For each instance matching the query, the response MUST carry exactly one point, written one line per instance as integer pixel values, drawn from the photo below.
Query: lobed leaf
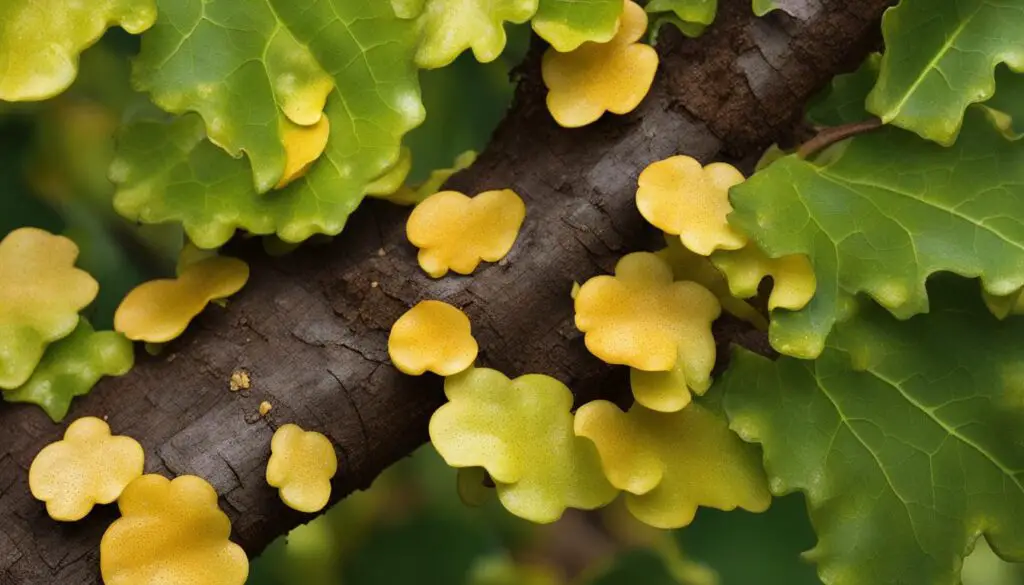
(671, 463)
(40, 40)
(880, 214)
(939, 58)
(41, 293)
(567, 24)
(449, 27)
(71, 367)
(521, 431)
(166, 171)
(905, 437)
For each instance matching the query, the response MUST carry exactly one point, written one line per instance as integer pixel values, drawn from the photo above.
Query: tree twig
(832, 134)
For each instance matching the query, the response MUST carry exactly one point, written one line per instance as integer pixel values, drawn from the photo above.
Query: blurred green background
(411, 527)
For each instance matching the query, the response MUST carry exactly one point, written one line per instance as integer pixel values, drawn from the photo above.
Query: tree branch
(311, 329)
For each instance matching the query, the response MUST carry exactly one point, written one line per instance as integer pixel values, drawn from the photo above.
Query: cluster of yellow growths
(668, 454)
(654, 315)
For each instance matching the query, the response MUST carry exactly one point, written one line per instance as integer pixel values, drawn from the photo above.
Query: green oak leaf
(881, 213)
(249, 68)
(449, 27)
(71, 367)
(40, 40)
(700, 12)
(904, 436)
(166, 170)
(567, 24)
(939, 59)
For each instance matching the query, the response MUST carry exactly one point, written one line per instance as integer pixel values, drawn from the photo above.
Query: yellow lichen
(87, 467)
(671, 463)
(455, 232)
(599, 77)
(41, 293)
(521, 432)
(171, 532)
(265, 408)
(793, 277)
(663, 391)
(688, 265)
(159, 310)
(641, 318)
(432, 336)
(301, 466)
(685, 199)
(302, 146)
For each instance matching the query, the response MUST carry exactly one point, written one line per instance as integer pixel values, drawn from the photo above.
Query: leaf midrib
(933, 64)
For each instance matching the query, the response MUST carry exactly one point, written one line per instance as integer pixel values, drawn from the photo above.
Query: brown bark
(311, 328)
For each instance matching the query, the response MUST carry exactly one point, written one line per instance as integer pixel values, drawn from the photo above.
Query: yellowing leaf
(683, 198)
(793, 280)
(520, 431)
(386, 185)
(455, 232)
(449, 27)
(71, 367)
(641, 318)
(171, 532)
(159, 310)
(87, 467)
(40, 40)
(302, 146)
(432, 336)
(601, 77)
(301, 466)
(671, 463)
(41, 293)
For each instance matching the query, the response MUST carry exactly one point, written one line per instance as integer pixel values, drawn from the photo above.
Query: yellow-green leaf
(71, 367)
(41, 293)
(40, 40)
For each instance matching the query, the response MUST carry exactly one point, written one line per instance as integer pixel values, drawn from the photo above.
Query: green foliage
(880, 214)
(71, 367)
(904, 436)
(40, 40)
(567, 24)
(700, 12)
(166, 170)
(939, 58)
(449, 27)
(250, 68)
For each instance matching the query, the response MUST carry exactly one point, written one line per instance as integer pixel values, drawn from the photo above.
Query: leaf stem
(830, 135)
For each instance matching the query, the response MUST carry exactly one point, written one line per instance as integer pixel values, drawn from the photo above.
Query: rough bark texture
(311, 328)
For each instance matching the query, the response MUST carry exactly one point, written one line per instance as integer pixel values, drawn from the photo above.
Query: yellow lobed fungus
(663, 391)
(432, 336)
(670, 463)
(521, 432)
(159, 310)
(596, 78)
(302, 146)
(793, 280)
(41, 293)
(455, 232)
(301, 466)
(641, 318)
(87, 467)
(688, 265)
(171, 532)
(683, 198)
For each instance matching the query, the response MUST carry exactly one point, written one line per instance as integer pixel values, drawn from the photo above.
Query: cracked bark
(311, 328)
